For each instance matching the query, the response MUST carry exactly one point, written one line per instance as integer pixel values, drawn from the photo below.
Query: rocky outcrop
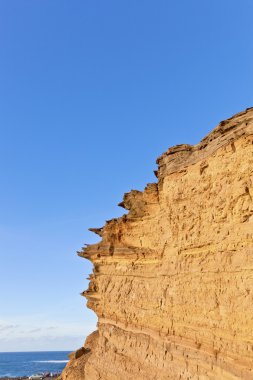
(172, 284)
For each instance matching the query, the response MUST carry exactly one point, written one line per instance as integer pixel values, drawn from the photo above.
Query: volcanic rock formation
(172, 284)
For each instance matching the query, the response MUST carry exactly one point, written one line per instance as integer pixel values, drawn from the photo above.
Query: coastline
(21, 365)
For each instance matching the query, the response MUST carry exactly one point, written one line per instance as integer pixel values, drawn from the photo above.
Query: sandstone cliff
(173, 278)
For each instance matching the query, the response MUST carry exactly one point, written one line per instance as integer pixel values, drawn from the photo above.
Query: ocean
(14, 364)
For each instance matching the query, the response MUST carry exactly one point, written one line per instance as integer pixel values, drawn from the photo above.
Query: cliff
(172, 284)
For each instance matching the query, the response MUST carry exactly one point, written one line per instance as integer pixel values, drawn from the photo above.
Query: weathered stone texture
(173, 279)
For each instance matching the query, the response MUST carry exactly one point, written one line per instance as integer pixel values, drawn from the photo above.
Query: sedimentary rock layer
(172, 284)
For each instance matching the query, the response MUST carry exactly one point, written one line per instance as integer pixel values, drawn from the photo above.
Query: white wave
(50, 361)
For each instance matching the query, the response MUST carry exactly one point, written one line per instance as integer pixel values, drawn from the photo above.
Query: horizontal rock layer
(172, 284)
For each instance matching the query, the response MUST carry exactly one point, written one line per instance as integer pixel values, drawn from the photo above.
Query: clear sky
(91, 92)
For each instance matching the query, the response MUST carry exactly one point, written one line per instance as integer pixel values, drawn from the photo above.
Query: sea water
(14, 364)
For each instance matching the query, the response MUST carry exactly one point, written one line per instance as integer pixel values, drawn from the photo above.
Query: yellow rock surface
(173, 279)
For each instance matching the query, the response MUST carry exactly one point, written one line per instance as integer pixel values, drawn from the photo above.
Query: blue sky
(91, 92)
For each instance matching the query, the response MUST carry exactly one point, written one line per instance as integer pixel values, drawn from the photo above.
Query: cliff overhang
(172, 284)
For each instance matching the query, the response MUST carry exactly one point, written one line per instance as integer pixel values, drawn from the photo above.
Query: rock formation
(172, 284)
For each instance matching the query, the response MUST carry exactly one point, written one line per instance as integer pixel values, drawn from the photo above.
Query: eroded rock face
(173, 279)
